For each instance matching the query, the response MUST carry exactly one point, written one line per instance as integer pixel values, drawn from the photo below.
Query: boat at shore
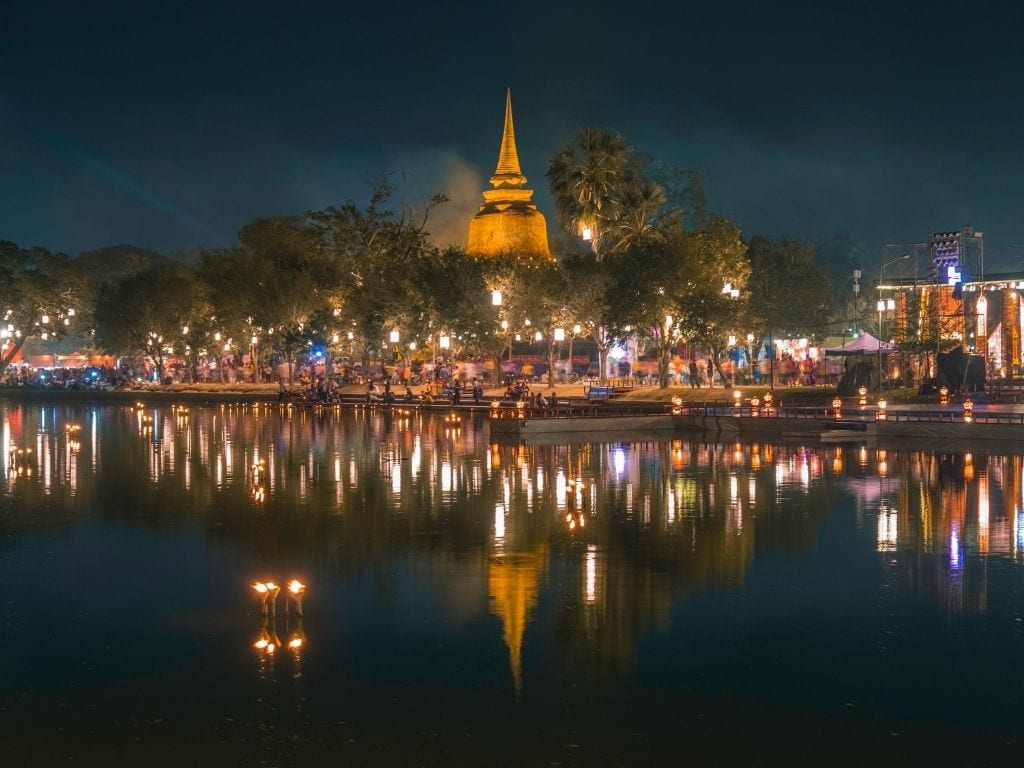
(521, 419)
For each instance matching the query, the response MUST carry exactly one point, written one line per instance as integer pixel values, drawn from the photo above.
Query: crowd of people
(101, 377)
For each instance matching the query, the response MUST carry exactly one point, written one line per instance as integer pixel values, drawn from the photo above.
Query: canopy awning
(865, 344)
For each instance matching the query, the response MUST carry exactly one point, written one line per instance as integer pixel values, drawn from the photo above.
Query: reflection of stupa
(513, 580)
(508, 222)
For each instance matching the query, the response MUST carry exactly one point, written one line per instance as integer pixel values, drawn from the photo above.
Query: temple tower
(508, 222)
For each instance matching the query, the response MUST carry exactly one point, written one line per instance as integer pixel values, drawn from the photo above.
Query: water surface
(649, 602)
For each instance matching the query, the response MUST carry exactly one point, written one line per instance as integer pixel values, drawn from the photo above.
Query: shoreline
(356, 393)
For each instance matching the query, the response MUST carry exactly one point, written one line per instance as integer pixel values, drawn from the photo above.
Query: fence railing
(711, 408)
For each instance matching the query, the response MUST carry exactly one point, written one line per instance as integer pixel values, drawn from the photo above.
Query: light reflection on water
(580, 559)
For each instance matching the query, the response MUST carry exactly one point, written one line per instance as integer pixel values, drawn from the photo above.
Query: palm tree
(586, 179)
(641, 205)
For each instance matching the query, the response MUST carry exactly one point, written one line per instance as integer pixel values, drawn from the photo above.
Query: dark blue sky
(170, 125)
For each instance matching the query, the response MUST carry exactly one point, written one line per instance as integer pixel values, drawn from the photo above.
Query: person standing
(694, 374)
(711, 372)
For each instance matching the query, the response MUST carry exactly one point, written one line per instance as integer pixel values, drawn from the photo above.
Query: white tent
(865, 344)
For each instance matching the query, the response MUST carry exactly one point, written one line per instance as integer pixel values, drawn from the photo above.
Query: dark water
(634, 603)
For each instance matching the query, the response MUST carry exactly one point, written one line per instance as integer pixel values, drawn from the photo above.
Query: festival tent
(865, 344)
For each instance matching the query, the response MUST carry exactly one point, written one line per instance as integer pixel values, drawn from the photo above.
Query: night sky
(170, 125)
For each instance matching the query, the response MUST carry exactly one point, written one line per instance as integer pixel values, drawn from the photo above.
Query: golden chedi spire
(508, 157)
(508, 222)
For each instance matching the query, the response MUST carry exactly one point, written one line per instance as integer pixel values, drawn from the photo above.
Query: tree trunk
(715, 354)
(664, 361)
(602, 353)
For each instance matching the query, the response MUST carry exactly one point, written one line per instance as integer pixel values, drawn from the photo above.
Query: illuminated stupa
(508, 222)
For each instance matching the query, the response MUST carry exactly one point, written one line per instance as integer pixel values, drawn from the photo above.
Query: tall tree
(789, 294)
(649, 286)
(375, 252)
(601, 192)
(43, 294)
(588, 301)
(586, 177)
(533, 298)
(714, 301)
(271, 284)
(159, 313)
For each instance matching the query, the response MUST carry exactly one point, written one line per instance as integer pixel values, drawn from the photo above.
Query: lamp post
(394, 337)
(732, 363)
(558, 336)
(856, 300)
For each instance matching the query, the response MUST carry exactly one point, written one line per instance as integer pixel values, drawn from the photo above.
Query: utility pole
(856, 302)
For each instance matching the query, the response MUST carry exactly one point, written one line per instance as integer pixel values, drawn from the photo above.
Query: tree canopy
(43, 293)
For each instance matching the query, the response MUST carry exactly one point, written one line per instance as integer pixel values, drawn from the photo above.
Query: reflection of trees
(685, 520)
(633, 527)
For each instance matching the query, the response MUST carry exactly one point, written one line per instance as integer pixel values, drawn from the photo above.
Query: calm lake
(655, 601)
